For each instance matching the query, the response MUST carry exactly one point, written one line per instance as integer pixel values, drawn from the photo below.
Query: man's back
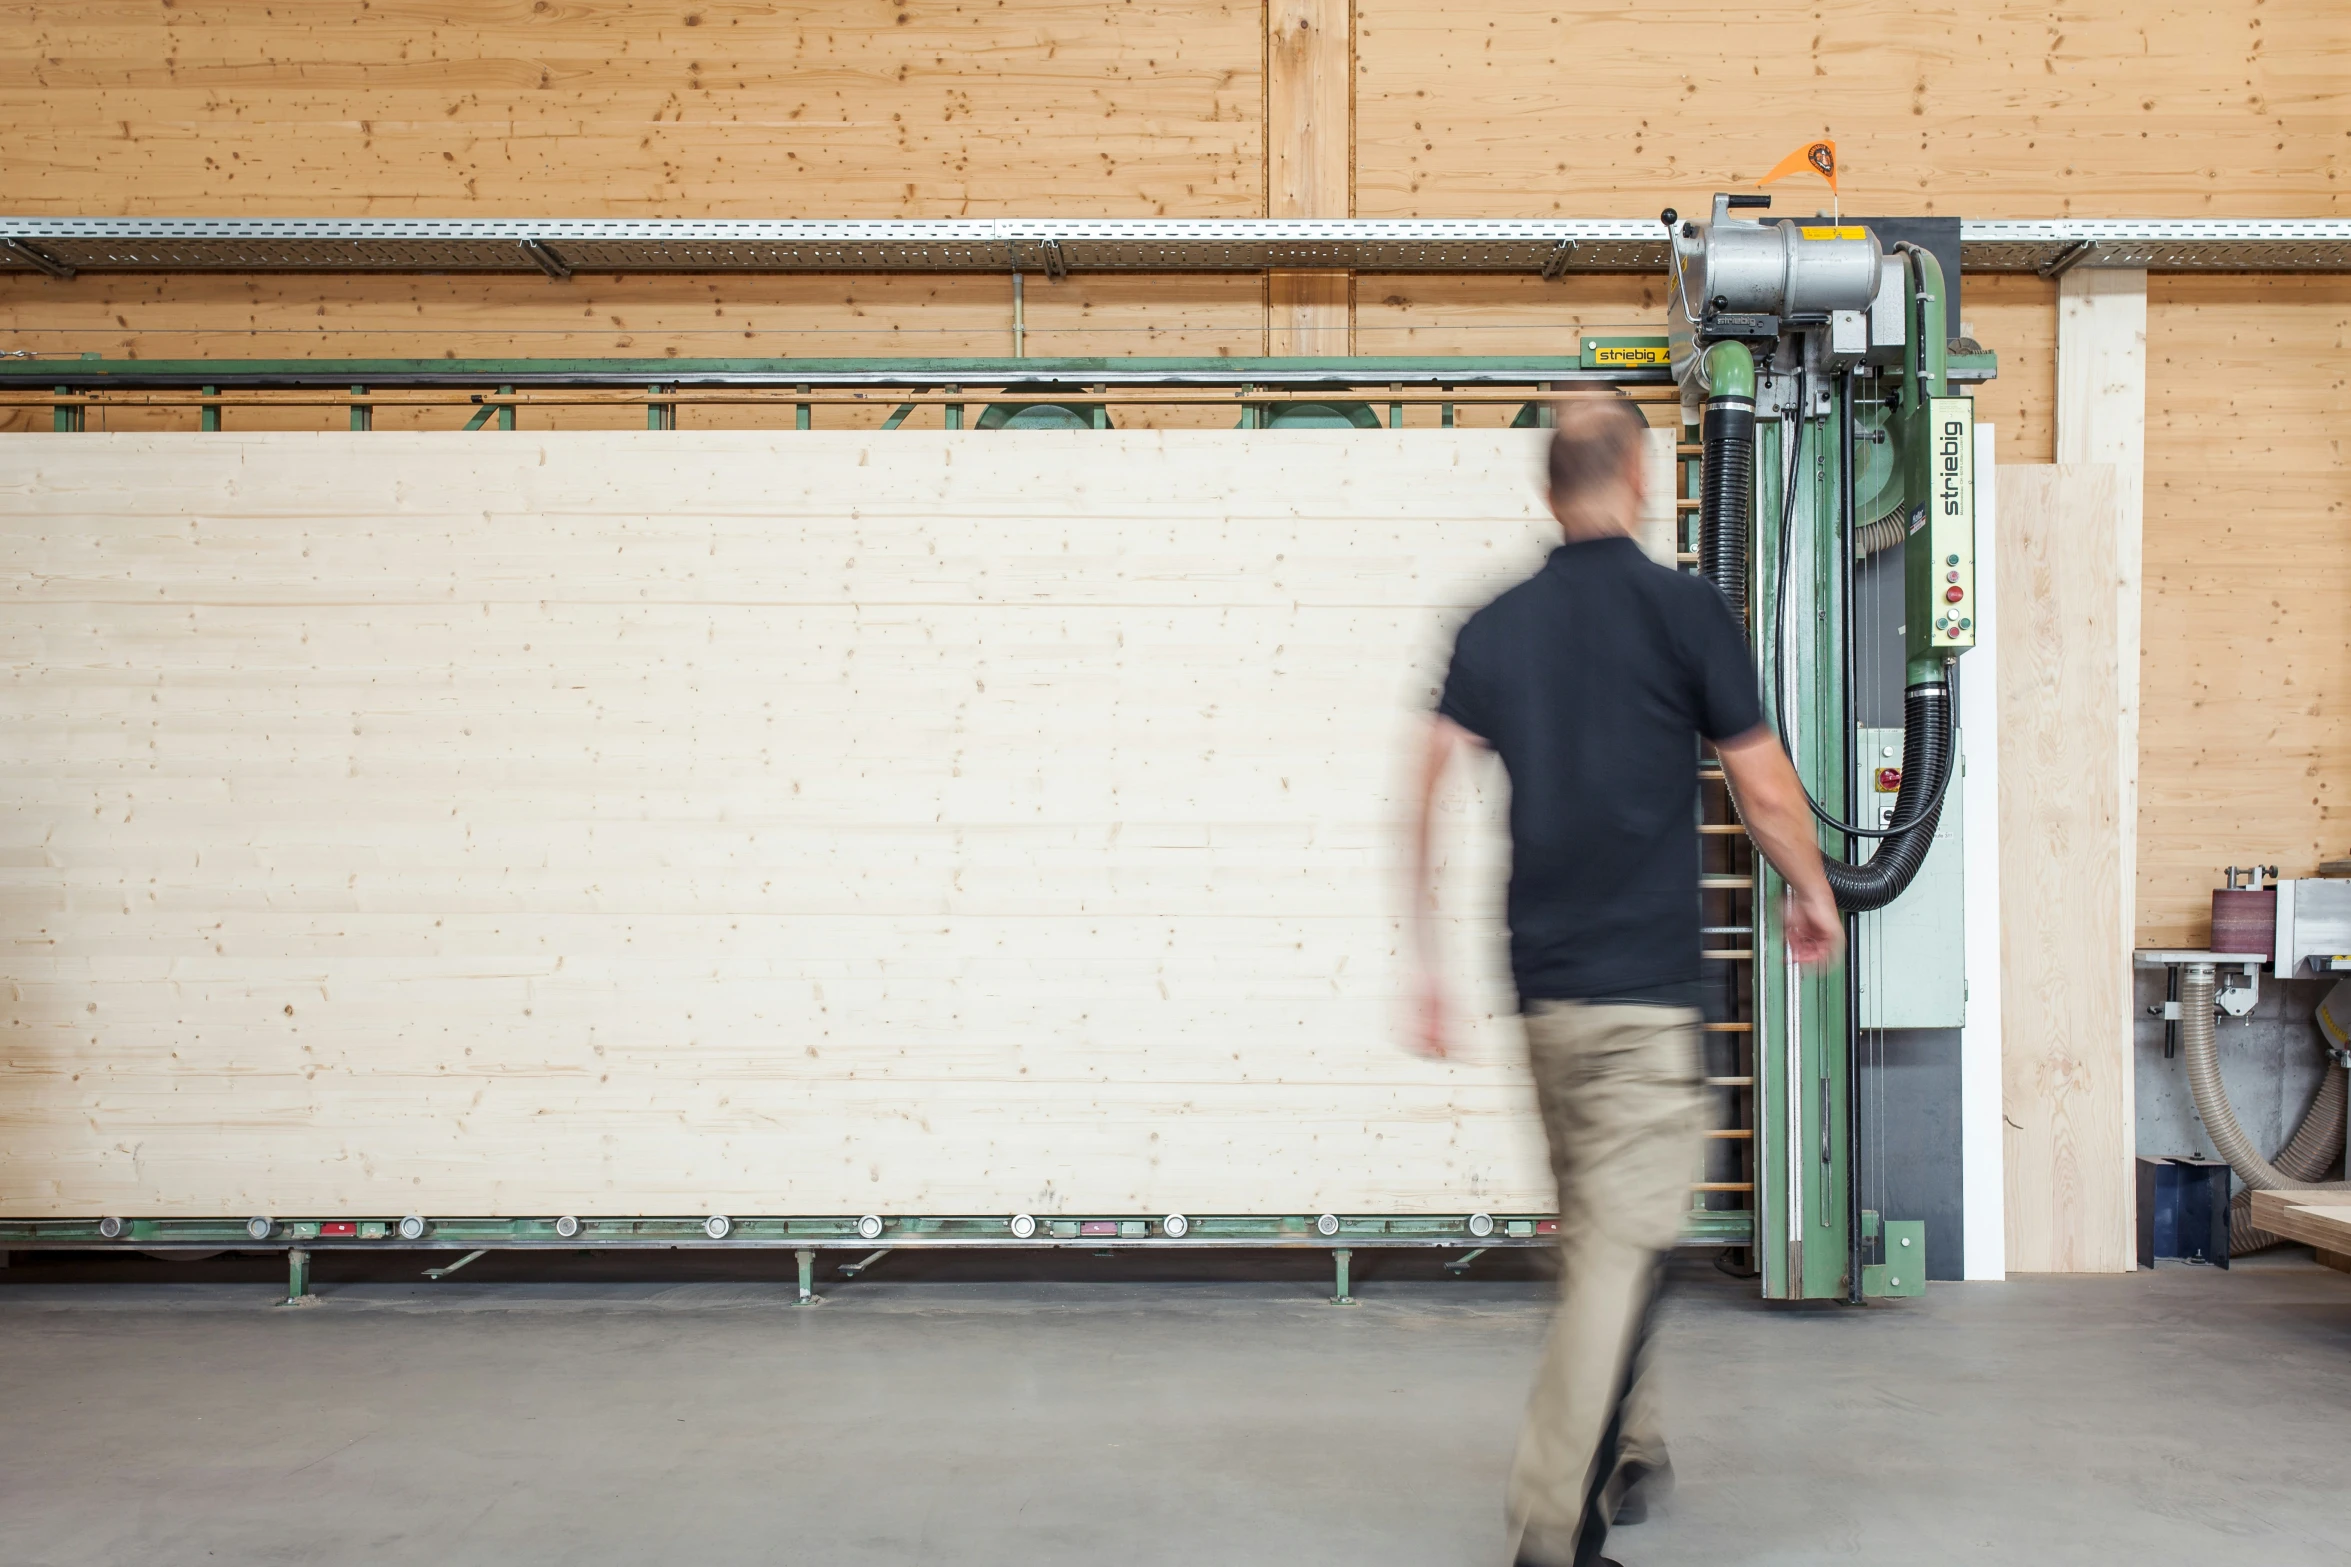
(1593, 680)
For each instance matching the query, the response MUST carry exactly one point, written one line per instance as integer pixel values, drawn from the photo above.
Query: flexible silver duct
(1875, 537)
(2200, 1051)
(2307, 1157)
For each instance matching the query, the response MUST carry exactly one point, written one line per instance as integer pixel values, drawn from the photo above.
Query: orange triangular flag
(1818, 156)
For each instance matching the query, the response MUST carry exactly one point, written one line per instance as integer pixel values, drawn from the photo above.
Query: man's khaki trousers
(1622, 1106)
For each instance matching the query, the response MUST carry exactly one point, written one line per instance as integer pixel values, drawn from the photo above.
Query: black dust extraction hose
(1726, 485)
(1726, 501)
(1926, 770)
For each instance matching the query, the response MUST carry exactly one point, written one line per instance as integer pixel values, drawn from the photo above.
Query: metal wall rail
(63, 247)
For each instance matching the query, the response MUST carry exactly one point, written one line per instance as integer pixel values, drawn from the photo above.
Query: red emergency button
(1953, 595)
(1889, 780)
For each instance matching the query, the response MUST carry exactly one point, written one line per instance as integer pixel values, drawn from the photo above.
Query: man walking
(1595, 680)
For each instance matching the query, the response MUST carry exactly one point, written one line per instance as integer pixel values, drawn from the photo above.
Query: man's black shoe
(1643, 1484)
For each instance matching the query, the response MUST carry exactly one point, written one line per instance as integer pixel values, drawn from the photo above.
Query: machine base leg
(808, 1294)
(1339, 1260)
(298, 1279)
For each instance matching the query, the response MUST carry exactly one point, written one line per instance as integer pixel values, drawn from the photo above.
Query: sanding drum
(2244, 920)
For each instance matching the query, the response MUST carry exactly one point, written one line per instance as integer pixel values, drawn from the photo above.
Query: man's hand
(1432, 1028)
(1771, 803)
(1432, 1020)
(1814, 928)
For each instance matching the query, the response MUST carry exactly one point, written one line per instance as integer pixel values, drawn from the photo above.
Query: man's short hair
(1591, 444)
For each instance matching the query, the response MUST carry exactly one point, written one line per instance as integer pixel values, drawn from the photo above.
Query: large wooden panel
(605, 108)
(2064, 952)
(757, 823)
(2245, 679)
(1528, 108)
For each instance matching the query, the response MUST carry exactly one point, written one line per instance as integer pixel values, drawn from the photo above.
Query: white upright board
(652, 822)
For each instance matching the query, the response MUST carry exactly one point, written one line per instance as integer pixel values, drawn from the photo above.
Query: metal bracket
(298, 1279)
(40, 260)
(2067, 259)
(548, 261)
(1056, 266)
(1561, 255)
(806, 1258)
(438, 1274)
(2238, 999)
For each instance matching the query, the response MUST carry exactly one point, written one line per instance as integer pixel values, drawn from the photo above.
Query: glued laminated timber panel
(759, 823)
(2245, 674)
(2111, 109)
(602, 108)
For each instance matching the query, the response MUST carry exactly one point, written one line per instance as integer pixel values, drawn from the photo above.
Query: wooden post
(1309, 165)
(2065, 992)
(2102, 418)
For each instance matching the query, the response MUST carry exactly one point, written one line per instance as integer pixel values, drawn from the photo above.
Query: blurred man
(1595, 680)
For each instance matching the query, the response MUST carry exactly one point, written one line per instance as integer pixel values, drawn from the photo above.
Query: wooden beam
(1309, 164)
(1310, 313)
(2102, 418)
(2064, 999)
(2319, 1219)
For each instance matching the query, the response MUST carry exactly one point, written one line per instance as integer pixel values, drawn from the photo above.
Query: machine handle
(1748, 201)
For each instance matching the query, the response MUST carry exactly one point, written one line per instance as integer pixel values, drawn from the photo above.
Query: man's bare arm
(1432, 1030)
(1771, 802)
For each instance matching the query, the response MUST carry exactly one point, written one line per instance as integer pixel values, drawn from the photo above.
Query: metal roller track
(65, 247)
(1722, 1227)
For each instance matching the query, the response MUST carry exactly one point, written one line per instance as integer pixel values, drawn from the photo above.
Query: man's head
(1595, 467)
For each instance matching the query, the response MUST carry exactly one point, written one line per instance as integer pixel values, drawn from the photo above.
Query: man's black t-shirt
(1594, 679)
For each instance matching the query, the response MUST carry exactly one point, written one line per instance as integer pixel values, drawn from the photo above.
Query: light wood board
(2114, 108)
(688, 822)
(598, 108)
(2245, 739)
(2319, 1219)
(2065, 960)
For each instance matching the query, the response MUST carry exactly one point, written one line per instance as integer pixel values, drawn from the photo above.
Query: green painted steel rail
(91, 373)
(1722, 1227)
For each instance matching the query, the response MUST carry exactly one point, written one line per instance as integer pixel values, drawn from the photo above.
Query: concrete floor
(2184, 1416)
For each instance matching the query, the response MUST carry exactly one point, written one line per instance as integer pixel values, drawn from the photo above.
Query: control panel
(1940, 538)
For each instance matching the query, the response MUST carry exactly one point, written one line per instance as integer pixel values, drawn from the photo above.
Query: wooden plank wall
(1526, 108)
(1208, 108)
(2065, 989)
(708, 821)
(602, 108)
(2245, 674)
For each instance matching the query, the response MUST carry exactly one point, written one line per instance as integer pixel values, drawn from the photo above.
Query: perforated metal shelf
(64, 246)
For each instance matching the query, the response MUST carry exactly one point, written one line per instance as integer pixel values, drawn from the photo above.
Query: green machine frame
(1778, 396)
(1786, 1124)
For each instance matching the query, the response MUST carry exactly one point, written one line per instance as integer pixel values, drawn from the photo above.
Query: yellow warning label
(1620, 355)
(1849, 231)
